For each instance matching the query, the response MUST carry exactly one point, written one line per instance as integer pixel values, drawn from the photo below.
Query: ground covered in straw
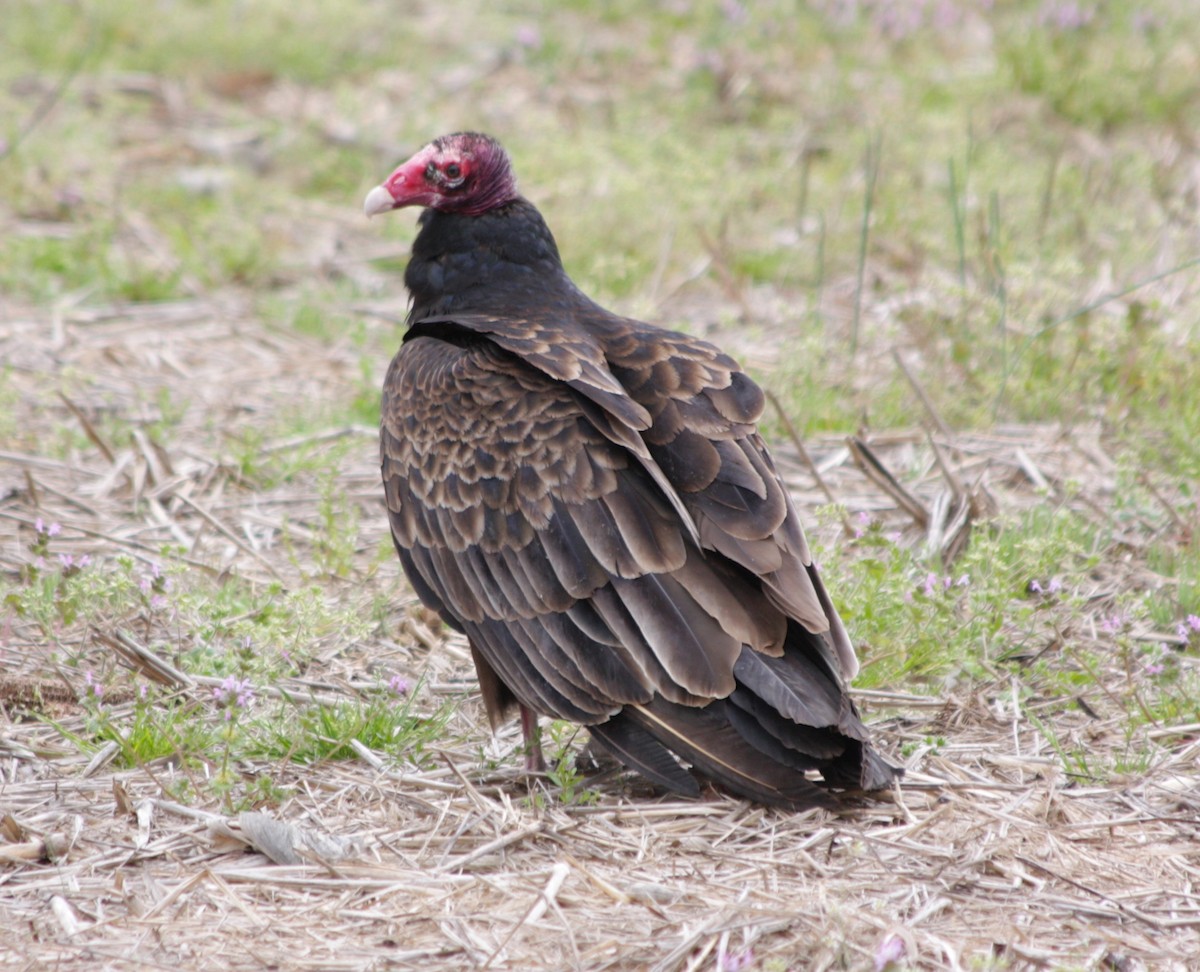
(230, 738)
(988, 853)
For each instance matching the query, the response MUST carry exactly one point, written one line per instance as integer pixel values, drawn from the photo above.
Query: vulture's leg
(534, 763)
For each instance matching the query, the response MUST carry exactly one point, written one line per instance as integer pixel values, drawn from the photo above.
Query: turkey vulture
(586, 497)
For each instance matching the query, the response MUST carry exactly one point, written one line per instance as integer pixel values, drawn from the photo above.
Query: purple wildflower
(899, 21)
(864, 521)
(840, 12)
(1156, 662)
(1114, 623)
(399, 685)
(946, 16)
(71, 563)
(1065, 15)
(154, 585)
(234, 693)
(152, 579)
(1144, 22)
(95, 689)
(528, 36)
(53, 530)
(69, 197)
(734, 12)
(891, 951)
(933, 583)
(41, 541)
(1193, 622)
(1053, 586)
(734, 961)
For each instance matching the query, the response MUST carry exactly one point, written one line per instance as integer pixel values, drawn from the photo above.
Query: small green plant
(1077, 761)
(563, 770)
(928, 744)
(385, 722)
(336, 537)
(234, 723)
(233, 697)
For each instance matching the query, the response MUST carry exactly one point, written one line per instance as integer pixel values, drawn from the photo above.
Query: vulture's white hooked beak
(378, 200)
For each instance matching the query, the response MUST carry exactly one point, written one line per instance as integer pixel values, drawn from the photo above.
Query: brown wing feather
(551, 490)
(704, 435)
(577, 520)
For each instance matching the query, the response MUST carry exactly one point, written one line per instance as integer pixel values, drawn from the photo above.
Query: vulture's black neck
(504, 258)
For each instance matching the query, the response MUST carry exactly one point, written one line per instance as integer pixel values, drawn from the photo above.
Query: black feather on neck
(502, 259)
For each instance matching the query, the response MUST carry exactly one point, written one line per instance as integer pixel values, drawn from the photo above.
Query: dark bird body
(586, 497)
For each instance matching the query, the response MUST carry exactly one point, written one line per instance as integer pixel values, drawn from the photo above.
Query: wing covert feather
(569, 547)
(612, 536)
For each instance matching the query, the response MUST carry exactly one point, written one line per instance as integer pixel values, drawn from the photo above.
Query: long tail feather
(707, 739)
(638, 750)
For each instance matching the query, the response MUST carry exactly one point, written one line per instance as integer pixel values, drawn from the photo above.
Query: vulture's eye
(453, 170)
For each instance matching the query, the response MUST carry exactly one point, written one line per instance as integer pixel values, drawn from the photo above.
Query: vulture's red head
(466, 173)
